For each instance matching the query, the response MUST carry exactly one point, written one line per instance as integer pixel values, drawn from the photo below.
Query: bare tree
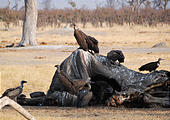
(29, 24)
(47, 4)
(72, 3)
(111, 3)
(135, 4)
(161, 4)
(147, 4)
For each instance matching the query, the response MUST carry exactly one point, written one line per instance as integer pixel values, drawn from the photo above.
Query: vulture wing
(149, 66)
(12, 92)
(93, 39)
(7, 91)
(92, 44)
(81, 39)
(15, 92)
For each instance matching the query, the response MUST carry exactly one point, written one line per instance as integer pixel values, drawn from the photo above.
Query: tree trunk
(29, 24)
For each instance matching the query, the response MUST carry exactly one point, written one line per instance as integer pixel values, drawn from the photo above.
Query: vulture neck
(22, 85)
(74, 27)
(158, 61)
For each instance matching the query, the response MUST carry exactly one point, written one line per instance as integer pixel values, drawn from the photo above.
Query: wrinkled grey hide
(77, 66)
(82, 65)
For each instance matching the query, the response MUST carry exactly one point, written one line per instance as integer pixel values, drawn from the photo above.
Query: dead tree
(135, 4)
(6, 101)
(111, 3)
(29, 24)
(161, 4)
(47, 4)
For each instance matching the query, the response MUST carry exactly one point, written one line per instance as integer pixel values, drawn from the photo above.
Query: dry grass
(38, 77)
(17, 65)
(119, 36)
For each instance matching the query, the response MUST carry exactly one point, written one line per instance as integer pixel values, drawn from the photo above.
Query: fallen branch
(6, 101)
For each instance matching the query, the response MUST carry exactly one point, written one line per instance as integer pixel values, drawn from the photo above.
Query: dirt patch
(88, 113)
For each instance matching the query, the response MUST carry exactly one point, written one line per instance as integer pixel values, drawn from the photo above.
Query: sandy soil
(88, 113)
(36, 65)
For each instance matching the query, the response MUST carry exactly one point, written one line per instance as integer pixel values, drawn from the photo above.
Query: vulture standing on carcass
(116, 55)
(13, 93)
(152, 66)
(85, 42)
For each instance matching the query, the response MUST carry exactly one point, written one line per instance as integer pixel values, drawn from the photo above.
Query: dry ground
(36, 65)
(89, 113)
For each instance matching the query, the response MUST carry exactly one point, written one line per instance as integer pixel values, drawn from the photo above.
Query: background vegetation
(131, 12)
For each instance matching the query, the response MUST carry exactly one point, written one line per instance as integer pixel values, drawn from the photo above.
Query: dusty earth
(36, 65)
(88, 113)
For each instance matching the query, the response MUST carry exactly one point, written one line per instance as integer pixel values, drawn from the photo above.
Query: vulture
(84, 96)
(11, 45)
(114, 55)
(152, 66)
(85, 42)
(13, 93)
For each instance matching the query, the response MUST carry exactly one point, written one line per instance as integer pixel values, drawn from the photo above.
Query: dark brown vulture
(116, 55)
(152, 66)
(12, 93)
(11, 45)
(85, 42)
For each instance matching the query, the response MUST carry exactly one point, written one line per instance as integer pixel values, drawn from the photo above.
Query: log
(6, 101)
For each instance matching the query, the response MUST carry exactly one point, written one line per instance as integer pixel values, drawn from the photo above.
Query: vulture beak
(23, 81)
(160, 59)
(56, 66)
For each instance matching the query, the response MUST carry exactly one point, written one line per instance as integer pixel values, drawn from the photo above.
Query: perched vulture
(12, 93)
(116, 55)
(85, 42)
(152, 66)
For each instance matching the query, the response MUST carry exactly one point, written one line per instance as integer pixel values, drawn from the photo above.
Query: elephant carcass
(82, 65)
